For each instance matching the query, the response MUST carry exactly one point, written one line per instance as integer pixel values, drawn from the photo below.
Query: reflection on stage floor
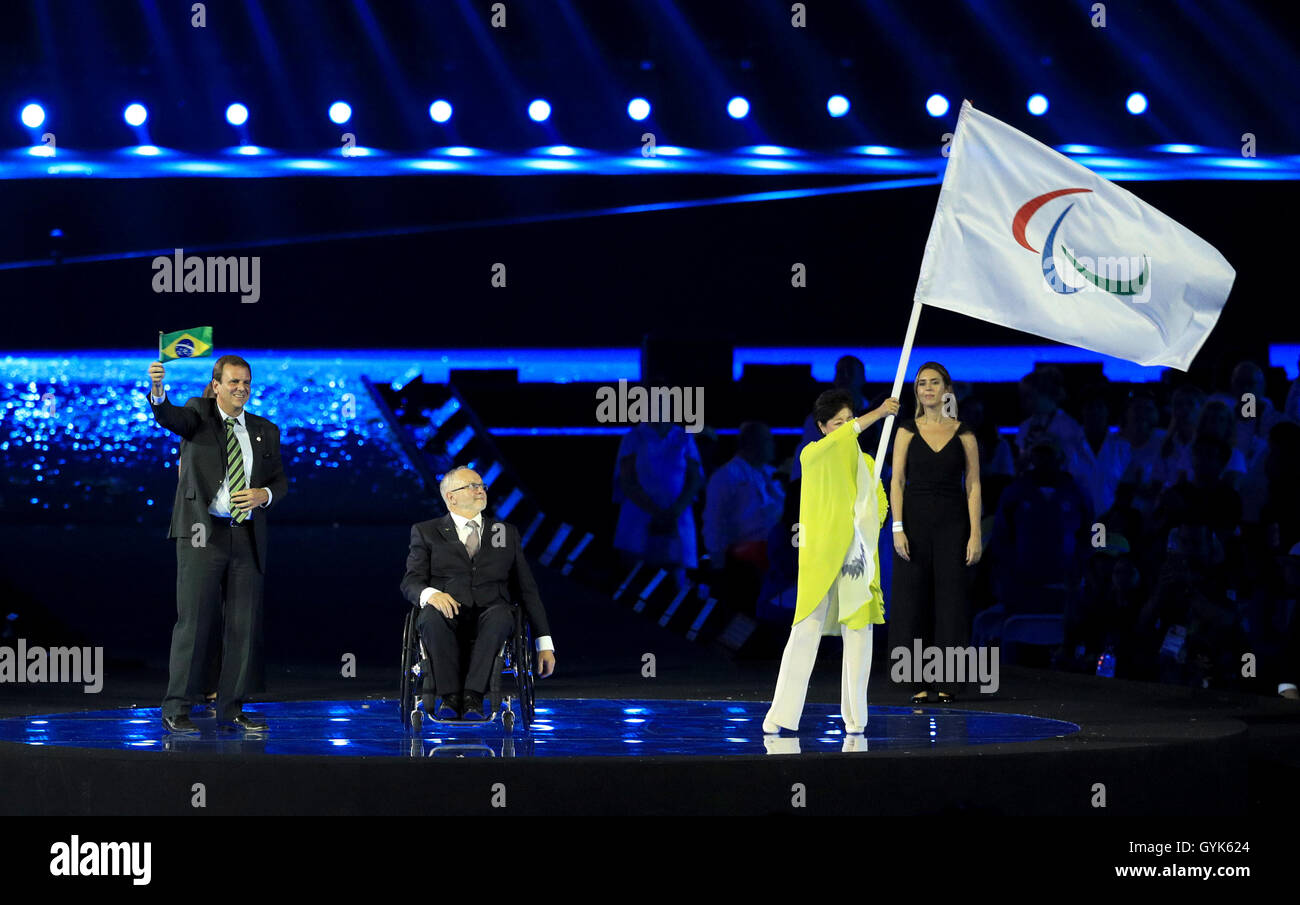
(563, 728)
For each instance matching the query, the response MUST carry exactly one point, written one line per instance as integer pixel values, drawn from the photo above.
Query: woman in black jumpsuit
(935, 487)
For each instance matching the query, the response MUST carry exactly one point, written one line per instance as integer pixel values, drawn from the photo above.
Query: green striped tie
(234, 470)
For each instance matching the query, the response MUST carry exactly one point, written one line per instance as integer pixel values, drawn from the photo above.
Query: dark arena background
(445, 230)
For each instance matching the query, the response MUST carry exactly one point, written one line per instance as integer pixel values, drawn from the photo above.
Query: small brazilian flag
(193, 343)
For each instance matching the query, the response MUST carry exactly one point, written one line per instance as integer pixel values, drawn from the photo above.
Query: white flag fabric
(1025, 237)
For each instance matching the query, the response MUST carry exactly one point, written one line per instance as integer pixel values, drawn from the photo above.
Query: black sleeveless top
(931, 473)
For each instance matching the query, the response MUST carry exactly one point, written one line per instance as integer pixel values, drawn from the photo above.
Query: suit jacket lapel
(218, 429)
(254, 445)
(447, 530)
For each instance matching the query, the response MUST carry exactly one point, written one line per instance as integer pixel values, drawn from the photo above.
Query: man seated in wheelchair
(461, 571)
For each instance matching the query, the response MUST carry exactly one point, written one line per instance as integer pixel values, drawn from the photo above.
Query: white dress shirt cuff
(544, 643)
(157, 400)
(426, 594)
(269, 496)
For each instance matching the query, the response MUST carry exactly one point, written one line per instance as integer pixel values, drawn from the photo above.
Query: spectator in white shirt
(1082, 462)
(1133, 454)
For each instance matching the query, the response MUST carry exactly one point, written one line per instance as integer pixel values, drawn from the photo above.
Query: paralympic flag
(1027, 238)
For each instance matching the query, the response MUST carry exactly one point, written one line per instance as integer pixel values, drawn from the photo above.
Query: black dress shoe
(448, 707)
(245, 722)
(473, 709)
(180, 725)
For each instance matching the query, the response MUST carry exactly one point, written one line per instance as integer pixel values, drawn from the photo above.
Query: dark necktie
(234, 470)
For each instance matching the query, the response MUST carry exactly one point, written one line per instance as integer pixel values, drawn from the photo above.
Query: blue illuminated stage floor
(563, 728)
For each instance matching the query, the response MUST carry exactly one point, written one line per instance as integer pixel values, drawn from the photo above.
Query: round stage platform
(631, 755)
(563, 728)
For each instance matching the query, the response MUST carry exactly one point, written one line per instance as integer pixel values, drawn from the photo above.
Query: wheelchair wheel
(524, 674)
(507, 662)
(493, 705)
(410, 657)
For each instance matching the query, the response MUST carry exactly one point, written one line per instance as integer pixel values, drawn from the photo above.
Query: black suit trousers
(228, 560)
(442, 636)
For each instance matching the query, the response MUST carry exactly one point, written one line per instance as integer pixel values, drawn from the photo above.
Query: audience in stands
(1132, 455)
(1192, 631)
(1103, 618)
(1281, 633)
(1041, 393)
(656, 480)
(1040, 535)
(1175, 451)
(742, 504)
(1095, 419)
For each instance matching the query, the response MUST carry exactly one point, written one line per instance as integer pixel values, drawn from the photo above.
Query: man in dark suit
(230, 473)
(465, 569)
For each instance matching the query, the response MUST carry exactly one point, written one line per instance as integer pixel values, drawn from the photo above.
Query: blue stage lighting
(340, 112)
(936, 105)
(32, 116)
(737, 108)
(638, 108)
(837, 105)
(1037, 104)
(236, 114)
(135, 114)
(440, 111)
(1136, 103)
(539, 111)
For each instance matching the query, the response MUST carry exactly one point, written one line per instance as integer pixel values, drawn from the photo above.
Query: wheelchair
(513, 663)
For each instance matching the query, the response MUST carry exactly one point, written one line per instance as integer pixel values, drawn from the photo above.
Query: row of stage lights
(340, 112)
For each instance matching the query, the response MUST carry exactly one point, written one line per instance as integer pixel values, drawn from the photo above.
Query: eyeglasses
(478, 486)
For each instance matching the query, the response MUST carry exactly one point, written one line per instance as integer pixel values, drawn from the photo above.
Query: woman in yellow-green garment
(842, 506)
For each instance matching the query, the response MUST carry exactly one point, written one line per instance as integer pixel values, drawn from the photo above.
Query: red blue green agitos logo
(1127, 285)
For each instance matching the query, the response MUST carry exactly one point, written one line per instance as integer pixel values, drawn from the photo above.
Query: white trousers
(797, 665)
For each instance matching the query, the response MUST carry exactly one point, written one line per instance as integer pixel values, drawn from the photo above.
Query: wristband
(898, 527)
